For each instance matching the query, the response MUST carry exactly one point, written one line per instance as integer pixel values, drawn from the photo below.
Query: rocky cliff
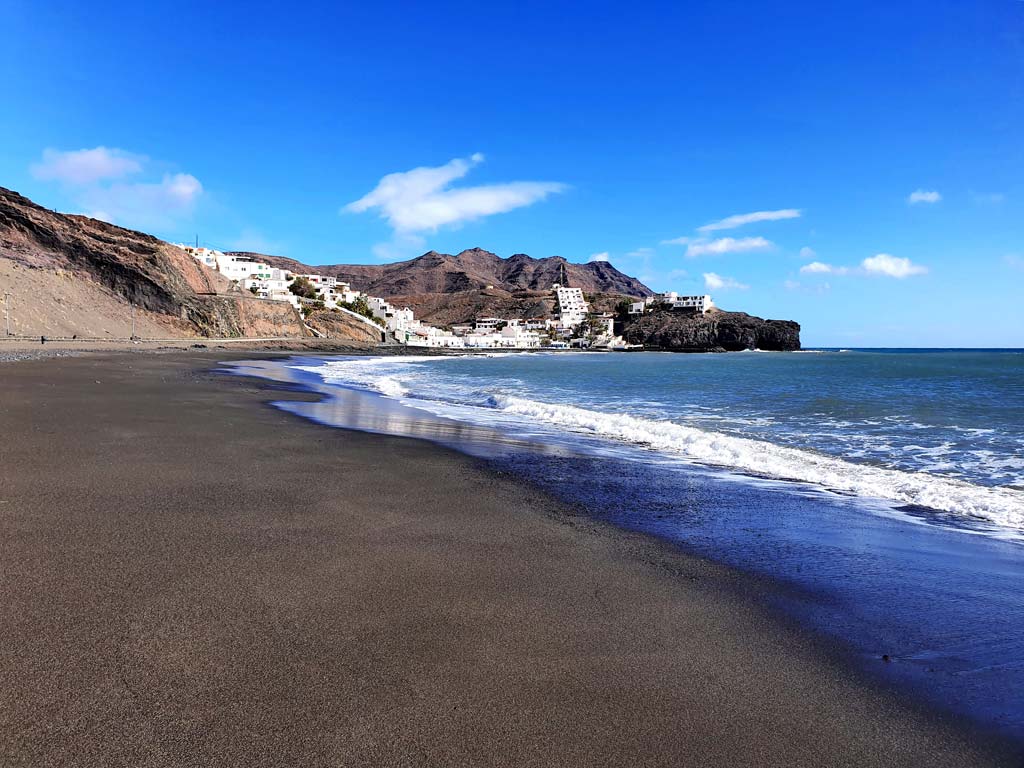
(716, 331)
(75, 275)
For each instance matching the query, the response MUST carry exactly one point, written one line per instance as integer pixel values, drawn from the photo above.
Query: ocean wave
(999, 506)
(406, 380)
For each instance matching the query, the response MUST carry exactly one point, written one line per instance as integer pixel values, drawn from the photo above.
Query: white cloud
(923, 196)
(153, 205)
(991, 198)
(420, 200)
(739, 219)
(891, 266)
(807, 253)
(816, 288)
(92, 179)
(86, 166)
(640, 253)
(676, 241)
(1013, 261)
(727, 245)
(602, 256)
(820, 268)
(715, 282)
(879, 264)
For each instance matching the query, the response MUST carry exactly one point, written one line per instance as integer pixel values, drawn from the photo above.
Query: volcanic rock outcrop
(716, 331)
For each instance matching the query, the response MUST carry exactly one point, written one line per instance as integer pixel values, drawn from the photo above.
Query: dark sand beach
(192, 578)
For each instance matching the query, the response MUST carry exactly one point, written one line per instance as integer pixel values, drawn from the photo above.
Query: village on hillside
(575, 325)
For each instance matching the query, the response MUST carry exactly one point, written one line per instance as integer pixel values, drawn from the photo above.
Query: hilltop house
(672, 300)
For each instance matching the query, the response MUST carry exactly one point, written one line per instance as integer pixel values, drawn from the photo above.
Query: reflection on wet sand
(369, 412)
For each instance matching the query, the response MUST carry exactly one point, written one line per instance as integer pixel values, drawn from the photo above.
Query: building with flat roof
(572, 306)
(673, 300)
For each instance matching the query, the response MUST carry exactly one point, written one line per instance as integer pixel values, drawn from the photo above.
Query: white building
(236, 268)
(239, 268)
(517, 337)
(428, 336)
(343, 292)
(274, 287)
(605, 323)
(398, 321)
(205, 256)
(536, 324)
(696, 303)
(672, 300)
(487, 324)
(639, 307)
(572, 307)
(478, 340)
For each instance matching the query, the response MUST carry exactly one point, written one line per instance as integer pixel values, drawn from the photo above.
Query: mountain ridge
(472, 269)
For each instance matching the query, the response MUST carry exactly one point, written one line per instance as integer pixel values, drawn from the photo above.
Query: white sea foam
(1000, 506)
(403, 378)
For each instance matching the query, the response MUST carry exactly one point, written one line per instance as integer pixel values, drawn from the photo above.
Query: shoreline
(801, 548)
(192, 569)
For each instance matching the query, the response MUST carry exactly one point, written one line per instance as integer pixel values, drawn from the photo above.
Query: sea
(881, 489)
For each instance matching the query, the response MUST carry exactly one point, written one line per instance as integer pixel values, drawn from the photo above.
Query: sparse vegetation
(309, 308)
(303, 288)
(361, 307)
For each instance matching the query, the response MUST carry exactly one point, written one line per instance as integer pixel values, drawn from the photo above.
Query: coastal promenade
(193, 578)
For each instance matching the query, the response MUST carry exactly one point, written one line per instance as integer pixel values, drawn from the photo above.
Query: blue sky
(568, 129)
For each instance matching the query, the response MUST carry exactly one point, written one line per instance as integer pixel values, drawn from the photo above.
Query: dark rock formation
(716, 331)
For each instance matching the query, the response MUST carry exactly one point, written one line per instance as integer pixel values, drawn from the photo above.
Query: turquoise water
(883, 490)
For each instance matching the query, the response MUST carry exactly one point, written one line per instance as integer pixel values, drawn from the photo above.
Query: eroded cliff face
(716, 331)
(82, 264)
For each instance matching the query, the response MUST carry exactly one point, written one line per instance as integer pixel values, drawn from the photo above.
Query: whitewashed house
(639, 307)
(239, 268)
(518, 337)
(695, 303)
(487, 324)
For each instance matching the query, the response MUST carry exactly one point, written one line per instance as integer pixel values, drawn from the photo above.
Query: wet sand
(189, 577)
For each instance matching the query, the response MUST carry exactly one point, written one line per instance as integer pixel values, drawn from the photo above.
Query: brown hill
(471, 270)
(72, 275)
(444, 289)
